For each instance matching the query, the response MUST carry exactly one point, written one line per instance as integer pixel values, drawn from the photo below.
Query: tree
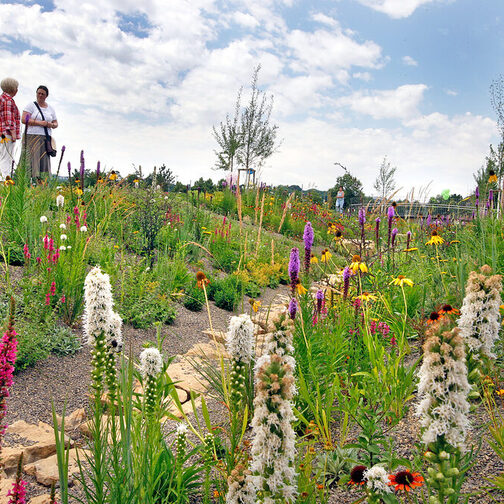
(164, 178)
(229, 138)
(385, 183)
(249, 138)
(351, 185)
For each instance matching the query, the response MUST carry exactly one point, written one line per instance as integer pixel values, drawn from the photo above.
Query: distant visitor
(9, 125)
(340, 199)
(40, 119)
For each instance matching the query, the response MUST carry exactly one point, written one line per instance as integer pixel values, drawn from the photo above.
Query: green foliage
(143, 312)
(226, 293)
(64, 342)
(194, 298)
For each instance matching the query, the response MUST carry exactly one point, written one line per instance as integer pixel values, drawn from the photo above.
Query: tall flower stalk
(273, 476)
(390, 219)
(479, 322)
(17, 493)
(308, 237)
(443, 390)
(294, 268)
(151, 363)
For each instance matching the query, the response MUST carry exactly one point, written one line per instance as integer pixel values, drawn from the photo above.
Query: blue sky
(353, 81)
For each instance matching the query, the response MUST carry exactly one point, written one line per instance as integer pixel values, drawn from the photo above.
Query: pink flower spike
(39, 260)
(51, 245)
(53, 288)
(46, 242)
(63, 298)
(48, 299)
(17, 493)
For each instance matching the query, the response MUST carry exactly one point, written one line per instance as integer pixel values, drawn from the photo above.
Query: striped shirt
(9, 116)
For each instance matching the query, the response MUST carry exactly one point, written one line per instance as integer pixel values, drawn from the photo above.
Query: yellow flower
(300, 289)
(207, 232)
(412, 249)
(454, 241)
(435, 239)
(365, 296)
(255, 305)
(401, 280)
(313, 259)
(492, 177)
(500, 392)
(78, 191)
(8, 181)
(136, 181)
(4, 139)
(326, 255)
(357, 265)
(113, 175)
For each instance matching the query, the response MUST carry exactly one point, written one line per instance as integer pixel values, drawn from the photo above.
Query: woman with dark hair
(40, 119)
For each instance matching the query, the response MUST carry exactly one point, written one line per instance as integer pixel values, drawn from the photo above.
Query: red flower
(448, 309)
(406, 480)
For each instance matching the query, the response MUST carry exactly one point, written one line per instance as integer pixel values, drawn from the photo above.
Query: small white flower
(181, 428)
(60, 200)
(62, 248)
(166, 197)
(63, 237)
(62, 226)
(69, 247)
(59, 187)
(151, 362)
(43, 219)
(378, 479)
(83, 229)
(240, 338)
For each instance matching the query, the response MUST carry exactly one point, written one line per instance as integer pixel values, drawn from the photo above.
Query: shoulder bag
(50, 143)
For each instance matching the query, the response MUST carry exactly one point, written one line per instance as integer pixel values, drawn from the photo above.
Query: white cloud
(245, 20)
(408, 60)
(365, 76)
(400, 103)
(323, 19)
(396, 8)
(451, 92)
(330, 52)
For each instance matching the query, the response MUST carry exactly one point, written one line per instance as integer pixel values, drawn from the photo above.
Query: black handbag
(50, 144)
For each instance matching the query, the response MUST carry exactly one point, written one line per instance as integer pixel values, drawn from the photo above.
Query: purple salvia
(308, 237)
(63, 148)
(429, 219)
(294, 267)
(292, 308)
(362, 216)
(394, 234)
(346, 281)
(319, 296)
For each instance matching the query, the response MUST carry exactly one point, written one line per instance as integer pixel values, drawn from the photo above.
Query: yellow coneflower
(454, 241)
(78, 191)
(358, 265)
(8, 181)
(300, 289)
(255, 304)
(326, 255)
(202, 280)
(492, 177)
(313, 259)
(4, 139)
(412, 249)
(401, 280)
(366, 296)
(435, 239)
(113, 175)
(446, 308)
(338, 235)
(207, 232)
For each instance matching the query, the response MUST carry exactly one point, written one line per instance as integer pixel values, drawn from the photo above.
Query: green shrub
(33, 343)
(194, 299)
(63, 341)
(144, 311)
(227, 293)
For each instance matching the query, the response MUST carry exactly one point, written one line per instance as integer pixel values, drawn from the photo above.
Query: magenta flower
(429, 219)
(362, 216)
(17, 493)
(26, 251)
(294, 268)
(308, 237)
(53, 289)
(408, 239)
(390, 216)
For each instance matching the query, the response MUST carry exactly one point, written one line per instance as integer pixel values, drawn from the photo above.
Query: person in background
(9, 125)
(340, 199)
(41, 119)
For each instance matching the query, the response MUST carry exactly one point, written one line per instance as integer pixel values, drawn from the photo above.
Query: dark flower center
(447, 308)
(434, 315)
(404, 478)
(357, 474)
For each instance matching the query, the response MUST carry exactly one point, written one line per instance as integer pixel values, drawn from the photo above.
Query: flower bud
(444, 456)
(440, 476)
(453, 472)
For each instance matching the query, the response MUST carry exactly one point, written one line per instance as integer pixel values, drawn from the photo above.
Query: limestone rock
(5, 486)
(220, 336)
(34, 441)
(73, 420)
(208, 350)
(46, 470)
(41, 499)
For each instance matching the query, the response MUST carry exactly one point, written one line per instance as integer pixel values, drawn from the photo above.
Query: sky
(142, 83)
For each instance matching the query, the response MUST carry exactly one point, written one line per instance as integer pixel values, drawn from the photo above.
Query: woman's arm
(33, 122)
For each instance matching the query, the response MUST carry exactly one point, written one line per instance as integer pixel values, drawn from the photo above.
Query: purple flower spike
(319, 296)
(346, 281)
(476, 193)
(394, 234)
(308, 237)
(69, 170)
(362, 216)
(429, 219)
(63, 148)
(408, 239)
(27, 118)
(390, 213)
(294, 267)
(97, 170)
(292, 308)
